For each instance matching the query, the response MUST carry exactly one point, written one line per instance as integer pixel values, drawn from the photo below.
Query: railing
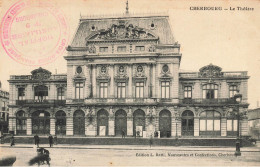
(41, 102)
(207, 101)
(225, 74)
(29, 77)
(120, 100)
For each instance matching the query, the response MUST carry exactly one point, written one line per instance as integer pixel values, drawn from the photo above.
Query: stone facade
(4, 101)
(123, 78)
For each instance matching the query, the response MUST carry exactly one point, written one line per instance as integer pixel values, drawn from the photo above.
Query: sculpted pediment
(40, 74)
(122, 31)
(211, 71)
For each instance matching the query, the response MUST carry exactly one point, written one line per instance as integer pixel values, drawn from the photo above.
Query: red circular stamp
(34, 32)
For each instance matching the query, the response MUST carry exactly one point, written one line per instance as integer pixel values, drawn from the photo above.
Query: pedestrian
(36, 140)
(12, 140)
(151, 140)
(51, 140)
(123, 133)
(55, 140)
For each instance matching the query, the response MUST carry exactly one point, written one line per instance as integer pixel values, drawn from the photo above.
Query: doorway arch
(120, 122)
(139, 122)
(20, 123)
(79, 123)
(187, 123)
(60, 123)
(41, 122)
(165, 123)
(102, 123)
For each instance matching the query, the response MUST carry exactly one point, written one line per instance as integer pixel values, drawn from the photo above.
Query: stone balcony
(40, 103)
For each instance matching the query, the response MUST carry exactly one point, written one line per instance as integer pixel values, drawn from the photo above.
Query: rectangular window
(202, 125)
(139, 90)
(210, 91)
(231, 125)
(60, 94)
(21, 94)
(79, 91)
(103, 49)
(103, 89)
(187, 92)
(232, 91)
(209, 125)
(217, 125)
(165, 89)
(139, 48)
(121, 49)
(121, 89)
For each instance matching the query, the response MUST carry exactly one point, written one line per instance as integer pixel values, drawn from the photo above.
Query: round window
(139, 69)
(121, 69)
(103, 69)
(165, 68)
(79, 69)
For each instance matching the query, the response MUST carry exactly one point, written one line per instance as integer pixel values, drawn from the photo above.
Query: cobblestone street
(79, 155)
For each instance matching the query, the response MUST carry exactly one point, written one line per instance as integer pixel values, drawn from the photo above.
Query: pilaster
(196, 126)
(29, 126)
(52, 126)
(223, 126)
(69, 126)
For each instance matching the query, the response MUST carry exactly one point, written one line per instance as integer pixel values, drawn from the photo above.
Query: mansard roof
(130, 27)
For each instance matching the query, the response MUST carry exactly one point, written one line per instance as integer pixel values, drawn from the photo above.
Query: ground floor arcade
(131, 121)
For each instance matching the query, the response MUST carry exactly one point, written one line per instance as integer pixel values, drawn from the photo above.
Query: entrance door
(60, 117)
(139, 120)
(102, 121)
(41, 122)
(79, 123)
(165, 123)
(187, 123)
(120, 122)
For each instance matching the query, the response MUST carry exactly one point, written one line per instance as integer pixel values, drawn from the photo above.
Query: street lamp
(176, 119)
(238, 99)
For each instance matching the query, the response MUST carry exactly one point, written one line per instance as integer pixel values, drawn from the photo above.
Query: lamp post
(176, 119)
(238, 99)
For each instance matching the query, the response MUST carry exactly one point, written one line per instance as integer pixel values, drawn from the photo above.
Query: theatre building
(123, 76)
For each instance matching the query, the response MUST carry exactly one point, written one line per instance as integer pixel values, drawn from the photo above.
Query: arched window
(210, 91)
(41, 93)
(210, 123)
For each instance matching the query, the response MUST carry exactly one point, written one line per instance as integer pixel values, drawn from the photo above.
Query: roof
(161, 27)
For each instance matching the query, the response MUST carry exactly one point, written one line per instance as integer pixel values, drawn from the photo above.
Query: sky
(226, 38)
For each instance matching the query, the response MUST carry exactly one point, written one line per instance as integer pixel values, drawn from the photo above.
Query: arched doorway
(41, 122)
(60, 123)
(210, 123)
(187, 123)
(79, 122)
(20, 123)
(165, 123)
(102, 123)
(139, 122)
(120, 122)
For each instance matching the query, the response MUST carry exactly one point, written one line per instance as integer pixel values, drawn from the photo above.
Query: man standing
(50, 140)
(36, 140)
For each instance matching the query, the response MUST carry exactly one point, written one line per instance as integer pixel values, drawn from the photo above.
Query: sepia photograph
(129, 83)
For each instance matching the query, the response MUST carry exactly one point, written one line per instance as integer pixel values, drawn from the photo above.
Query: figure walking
(123, 133)
(51, 140)
(36, 140)
(12, 140)
(151, 140)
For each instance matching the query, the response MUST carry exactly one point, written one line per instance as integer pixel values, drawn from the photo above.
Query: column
(129, 126)
(223, 125)
(196, 126)
(94, 81)
(153, 78)
(130, 123)
(173, 131)
(52, 126)
(29, 126)
(69, 126)
(112, 92)
(130, 82)
(111, 123)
